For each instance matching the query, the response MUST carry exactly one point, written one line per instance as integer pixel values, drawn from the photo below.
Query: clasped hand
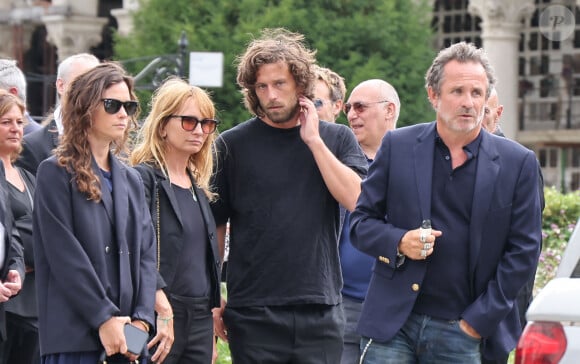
(418, 247)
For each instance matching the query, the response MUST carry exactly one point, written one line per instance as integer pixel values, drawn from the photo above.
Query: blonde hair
(151, 146)
(333, 81)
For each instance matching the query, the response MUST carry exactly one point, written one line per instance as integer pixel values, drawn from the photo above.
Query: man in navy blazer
(438, 295)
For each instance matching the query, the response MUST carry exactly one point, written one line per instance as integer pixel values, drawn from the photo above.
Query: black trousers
(193, 329)
(297, 334)
(22, 344)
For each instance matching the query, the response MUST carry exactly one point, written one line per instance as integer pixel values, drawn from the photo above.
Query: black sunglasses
(359, 107)
(189, 123)
(112, 106)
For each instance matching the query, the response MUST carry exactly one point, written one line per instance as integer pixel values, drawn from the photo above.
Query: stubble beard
(461, 127)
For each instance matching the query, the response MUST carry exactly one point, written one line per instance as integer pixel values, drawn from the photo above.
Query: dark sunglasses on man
(359, 107)
(189, 123)
(112, 106)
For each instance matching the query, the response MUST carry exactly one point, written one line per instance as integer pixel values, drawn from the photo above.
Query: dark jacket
(24, 304)
(93, 260)
(37, 146)
(170, 225)
(505, 232)
(13, 251)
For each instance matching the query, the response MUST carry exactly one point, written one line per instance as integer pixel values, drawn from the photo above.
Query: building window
(575, 157)
(553, 155)
(575, 181)
(542, 157)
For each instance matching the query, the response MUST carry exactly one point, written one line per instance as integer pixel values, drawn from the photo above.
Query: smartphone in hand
(135, 338)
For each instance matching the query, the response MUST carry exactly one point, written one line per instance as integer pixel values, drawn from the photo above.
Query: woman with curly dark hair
(94, 240)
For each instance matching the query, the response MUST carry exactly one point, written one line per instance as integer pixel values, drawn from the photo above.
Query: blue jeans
(423, 339)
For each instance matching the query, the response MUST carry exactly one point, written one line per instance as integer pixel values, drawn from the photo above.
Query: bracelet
(144, 324)
(165, 320)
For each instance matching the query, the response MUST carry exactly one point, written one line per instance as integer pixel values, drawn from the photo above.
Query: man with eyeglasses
(38, 145)
(280, 178)
(329, 93)
(452, 215)
(373, 110)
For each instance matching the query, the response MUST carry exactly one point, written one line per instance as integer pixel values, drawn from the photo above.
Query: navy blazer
(76, 242)
(13, 251)
(171, 227)
(505, 233)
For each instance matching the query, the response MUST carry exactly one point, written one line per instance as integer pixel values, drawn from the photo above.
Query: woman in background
(21, 345)
(174, 157)
(94, 240)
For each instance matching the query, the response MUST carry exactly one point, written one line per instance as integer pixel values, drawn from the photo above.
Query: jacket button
(211, 235)
(107, 249)
(415, 287)
(384, 260)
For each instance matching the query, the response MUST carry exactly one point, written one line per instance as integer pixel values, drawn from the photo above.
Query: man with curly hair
(280, 177)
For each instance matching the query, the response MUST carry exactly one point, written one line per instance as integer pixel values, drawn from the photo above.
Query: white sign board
(206, 69)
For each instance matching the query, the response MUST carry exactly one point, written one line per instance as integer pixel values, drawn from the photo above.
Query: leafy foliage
(559, 219)
(386, 39)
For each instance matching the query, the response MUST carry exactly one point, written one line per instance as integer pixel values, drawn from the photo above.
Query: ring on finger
(427, 246)
(423, 253)
(422, 238)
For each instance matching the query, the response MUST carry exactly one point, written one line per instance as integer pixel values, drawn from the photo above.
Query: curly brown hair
(276, 45)
(79, 104)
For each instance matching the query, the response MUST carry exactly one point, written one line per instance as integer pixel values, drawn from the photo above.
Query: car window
(570, 264)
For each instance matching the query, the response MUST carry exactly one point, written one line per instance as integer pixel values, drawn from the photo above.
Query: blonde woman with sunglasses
(175, 157)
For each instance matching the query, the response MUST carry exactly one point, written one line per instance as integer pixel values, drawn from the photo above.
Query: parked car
(552, 334)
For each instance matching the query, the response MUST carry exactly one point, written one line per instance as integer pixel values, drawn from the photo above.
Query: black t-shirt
(283, 220)
(193, 279)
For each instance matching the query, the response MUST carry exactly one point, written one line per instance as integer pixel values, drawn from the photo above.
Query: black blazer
(93, 260)
(37, 146)
(171, 227)
(13, 251)
(25, 303)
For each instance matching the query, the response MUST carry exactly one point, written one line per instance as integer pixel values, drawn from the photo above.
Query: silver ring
(423, 237)
(423, 253)
(427, 246)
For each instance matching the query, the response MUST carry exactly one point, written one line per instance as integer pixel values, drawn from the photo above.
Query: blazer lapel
(166, 185)
(121, 207)
(120, 197)
(207, 217)
(423, 157)
(487, 171)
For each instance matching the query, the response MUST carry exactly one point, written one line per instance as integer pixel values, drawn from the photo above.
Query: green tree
(388, 39)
